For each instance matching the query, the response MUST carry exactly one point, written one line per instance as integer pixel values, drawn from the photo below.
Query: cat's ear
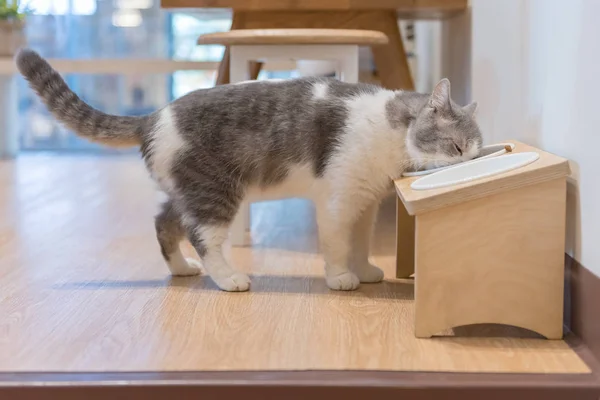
(440, 97)
(471, 109)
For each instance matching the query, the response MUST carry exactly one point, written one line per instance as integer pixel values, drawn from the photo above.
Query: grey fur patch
(169, 231)
(442, 131)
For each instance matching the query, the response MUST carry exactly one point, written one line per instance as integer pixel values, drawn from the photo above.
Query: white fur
(319, 90)
(472, 150)
(359, 175)
(165, 144)
(371, 152)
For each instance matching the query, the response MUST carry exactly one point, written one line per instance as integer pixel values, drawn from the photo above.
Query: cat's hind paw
(237, 282)
(345, 281)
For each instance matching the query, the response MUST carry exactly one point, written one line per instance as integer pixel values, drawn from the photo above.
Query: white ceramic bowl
(481, 168)
(489, 151)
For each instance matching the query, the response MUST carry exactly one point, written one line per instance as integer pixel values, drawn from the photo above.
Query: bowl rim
(520, 160)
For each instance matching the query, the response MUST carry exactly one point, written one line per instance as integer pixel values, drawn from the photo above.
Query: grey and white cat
(336, 143)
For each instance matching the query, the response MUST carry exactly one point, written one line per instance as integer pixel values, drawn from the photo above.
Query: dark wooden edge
(409, 11)
(582, 301)
(292, 393)
(306, 384)
(582, 294)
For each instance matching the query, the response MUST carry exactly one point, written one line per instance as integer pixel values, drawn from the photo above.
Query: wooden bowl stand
(487, 251)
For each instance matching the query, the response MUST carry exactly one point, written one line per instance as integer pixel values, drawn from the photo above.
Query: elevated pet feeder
(485, 240)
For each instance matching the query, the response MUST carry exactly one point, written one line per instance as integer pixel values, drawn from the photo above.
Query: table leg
(405, 242)
(223, 71)
(223, 78)
(391, 61)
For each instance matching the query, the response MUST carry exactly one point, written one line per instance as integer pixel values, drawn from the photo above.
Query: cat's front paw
(369, 274)
(237, 282)
(345, 281)
(190, 267)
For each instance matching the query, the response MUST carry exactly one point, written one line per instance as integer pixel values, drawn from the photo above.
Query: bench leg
(348, 65)
(254, 67)
(405, 242)
(498, 259)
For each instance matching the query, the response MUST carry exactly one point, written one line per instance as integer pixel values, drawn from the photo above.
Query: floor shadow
(509, 337)
(392, 289)
(495, 331)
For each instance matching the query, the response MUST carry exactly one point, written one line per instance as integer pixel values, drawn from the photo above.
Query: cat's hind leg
(208, 209)
(361, 244)
(170, 232)
(208, 240)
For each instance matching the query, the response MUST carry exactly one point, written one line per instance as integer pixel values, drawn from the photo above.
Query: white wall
(536, 73)
(443, 50)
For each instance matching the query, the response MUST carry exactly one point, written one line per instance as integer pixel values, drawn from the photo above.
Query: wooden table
(380, 15)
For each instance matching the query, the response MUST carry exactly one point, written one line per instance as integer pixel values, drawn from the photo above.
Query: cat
(339, 144)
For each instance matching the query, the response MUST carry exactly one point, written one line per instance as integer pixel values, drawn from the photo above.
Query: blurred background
(155, 55)
(128, 30)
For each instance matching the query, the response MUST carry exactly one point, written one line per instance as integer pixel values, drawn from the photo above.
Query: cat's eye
(458, 149)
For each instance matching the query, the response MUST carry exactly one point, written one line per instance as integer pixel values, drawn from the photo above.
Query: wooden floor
(83, 288)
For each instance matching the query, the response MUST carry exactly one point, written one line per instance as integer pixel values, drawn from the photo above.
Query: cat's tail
(73, 112)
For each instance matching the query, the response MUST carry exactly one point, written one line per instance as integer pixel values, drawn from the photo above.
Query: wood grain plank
(407, 8)
(391, 61)
(294, 36)
(83, 289)
(498, 259)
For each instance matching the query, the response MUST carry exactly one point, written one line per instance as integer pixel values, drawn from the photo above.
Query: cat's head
(442, 132)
